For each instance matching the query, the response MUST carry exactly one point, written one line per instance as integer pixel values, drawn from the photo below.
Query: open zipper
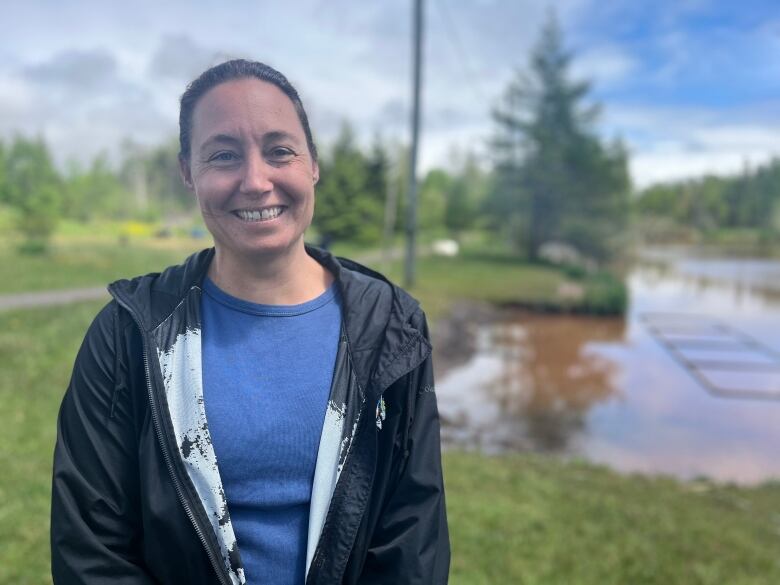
(318, 559)
(217, 564)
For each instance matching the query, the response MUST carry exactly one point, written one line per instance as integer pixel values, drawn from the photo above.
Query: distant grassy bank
(79, 260)
(729, 241)
(513, 519)
(505, 279)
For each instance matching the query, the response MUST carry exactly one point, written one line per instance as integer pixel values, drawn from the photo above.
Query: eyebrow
(230, 139)
(220, 139)
(280, 135)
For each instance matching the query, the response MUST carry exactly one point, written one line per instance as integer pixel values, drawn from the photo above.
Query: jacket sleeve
(95, 525)
(411, 543)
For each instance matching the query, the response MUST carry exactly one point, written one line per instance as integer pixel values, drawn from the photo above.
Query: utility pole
(411, 217)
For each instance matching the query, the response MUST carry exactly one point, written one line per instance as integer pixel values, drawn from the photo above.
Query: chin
(270, 247)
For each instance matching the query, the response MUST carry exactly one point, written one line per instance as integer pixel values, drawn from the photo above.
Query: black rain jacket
(136, 495)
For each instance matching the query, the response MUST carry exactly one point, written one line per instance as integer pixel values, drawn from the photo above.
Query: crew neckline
(228, 300)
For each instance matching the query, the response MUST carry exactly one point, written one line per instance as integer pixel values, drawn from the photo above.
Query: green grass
(513, 519)
(504, 279)
(74, 263)
(79, 260)
(743, 241)
(37, 349)
(534, 520)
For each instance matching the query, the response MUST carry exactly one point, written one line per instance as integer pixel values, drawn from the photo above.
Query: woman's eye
(281, 152)
(223, 157)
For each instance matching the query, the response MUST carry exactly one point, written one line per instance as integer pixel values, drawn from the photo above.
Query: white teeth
(259, 215)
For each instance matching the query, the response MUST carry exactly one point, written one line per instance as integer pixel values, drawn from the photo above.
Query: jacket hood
(382, 321)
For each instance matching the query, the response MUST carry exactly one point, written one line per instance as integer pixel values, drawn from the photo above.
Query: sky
(691, 86)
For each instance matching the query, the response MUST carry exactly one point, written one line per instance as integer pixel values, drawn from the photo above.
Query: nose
(257, 175)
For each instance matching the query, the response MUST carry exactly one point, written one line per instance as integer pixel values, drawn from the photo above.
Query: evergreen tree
(96, 191)
(151, 175)
(166, 189)
(3, 190)
(554, 180)
(377, 171)
(465, 197)
(346, 209)
(434, 191)
(33, 189)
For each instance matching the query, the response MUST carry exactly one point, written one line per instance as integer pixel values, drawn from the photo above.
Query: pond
(626, 392)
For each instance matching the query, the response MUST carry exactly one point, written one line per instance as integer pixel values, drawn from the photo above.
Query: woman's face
(250, 168)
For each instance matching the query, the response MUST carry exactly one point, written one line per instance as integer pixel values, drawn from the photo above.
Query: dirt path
(51, 297)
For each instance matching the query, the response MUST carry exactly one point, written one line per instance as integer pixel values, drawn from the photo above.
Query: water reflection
(552, 381)
(606, 389)
(529, 383)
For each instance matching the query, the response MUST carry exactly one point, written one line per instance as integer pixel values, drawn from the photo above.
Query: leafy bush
(605, 294)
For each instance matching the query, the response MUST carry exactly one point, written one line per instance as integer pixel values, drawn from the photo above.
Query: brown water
(608, 390)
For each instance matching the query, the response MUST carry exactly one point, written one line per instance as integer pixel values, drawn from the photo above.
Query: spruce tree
(346, 208)
(554, 178)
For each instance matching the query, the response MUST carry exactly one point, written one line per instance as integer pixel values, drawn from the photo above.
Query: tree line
(748, 200)
(144, 184)
(547, 176)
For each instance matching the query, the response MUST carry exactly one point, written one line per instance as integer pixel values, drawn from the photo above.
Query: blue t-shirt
(267, 371)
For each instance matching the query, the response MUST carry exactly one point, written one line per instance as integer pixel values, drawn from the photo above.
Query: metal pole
(411, 218)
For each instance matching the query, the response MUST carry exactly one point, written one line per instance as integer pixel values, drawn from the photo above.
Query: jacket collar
(377, 314)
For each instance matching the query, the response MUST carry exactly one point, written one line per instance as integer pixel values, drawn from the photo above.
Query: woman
(263, 412)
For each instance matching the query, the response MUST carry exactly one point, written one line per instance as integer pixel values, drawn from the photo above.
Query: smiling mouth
(256, 215)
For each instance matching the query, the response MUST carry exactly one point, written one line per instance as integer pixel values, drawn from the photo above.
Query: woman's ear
(186, 173)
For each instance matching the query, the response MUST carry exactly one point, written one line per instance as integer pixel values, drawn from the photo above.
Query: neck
(288, 278)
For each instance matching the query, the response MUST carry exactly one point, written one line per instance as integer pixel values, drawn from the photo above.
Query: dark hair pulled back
(230, 71)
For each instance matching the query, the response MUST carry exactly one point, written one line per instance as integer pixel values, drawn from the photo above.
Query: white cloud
(81, 103)
(678, 143)
(73, 69)
(90, 76)
(180, 59)
(605, 65)
(349, 61)
(664, 163)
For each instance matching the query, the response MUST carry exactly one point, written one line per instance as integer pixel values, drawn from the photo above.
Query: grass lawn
(78, 260)
(503, 279)
(518, 519)
(536, 520)
(82, 262)
(37, 349)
